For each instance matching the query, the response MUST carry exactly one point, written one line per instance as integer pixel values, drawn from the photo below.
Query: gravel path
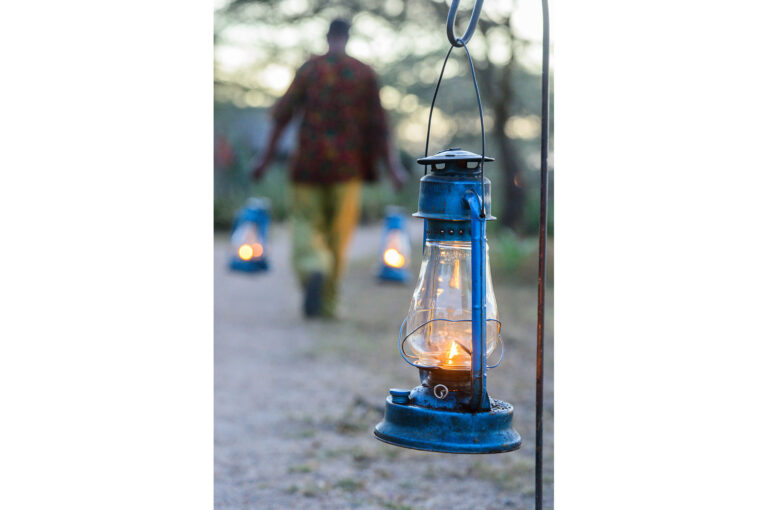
(296, 401)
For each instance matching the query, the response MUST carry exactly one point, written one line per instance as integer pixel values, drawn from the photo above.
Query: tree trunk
(511, 171)
(496, 83)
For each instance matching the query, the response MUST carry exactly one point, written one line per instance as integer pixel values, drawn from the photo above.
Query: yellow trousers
(324, 218)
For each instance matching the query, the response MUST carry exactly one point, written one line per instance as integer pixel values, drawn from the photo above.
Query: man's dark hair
(339, 28)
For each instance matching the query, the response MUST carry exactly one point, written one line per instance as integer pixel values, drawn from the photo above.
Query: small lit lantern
(395, 258)
(452, 327)
(249, 237)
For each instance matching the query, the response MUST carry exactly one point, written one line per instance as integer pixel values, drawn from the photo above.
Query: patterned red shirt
(344, 128)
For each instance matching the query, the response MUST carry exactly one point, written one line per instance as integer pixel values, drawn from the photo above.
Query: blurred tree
(405, 41)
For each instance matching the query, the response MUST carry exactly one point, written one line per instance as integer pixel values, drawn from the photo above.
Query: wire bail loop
(479, 109)
(464, 39)
(402, 339)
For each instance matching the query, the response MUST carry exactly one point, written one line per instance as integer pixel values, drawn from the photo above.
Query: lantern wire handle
(432, 107)
(479, 109)
(542, 247)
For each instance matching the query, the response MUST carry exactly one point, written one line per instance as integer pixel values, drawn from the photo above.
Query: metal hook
(464, 39)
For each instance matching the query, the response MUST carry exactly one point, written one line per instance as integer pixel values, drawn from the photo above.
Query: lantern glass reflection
(440, 316)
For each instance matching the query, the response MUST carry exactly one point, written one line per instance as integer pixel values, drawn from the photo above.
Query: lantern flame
(250, 251)
(453, 352)
(393, 258)
(245, 252)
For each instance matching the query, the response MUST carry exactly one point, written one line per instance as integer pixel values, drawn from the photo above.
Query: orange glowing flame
(393, 258)
(453, 352)
(245, 252)
(258, 250)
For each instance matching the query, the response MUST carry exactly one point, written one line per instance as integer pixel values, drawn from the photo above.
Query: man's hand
(259, 168)
(260, 165)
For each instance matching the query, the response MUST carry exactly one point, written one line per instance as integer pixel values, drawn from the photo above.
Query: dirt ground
(296, 401)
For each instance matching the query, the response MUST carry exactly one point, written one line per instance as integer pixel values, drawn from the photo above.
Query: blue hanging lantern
(395, 252)
(248, 241)
(452, 327)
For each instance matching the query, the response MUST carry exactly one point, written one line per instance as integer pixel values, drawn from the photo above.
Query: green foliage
(350, 484)
(512, 254)
(233, 185)
(301, 468)
(375, 199)
(530, 222)
(233, 188)
(507, 476)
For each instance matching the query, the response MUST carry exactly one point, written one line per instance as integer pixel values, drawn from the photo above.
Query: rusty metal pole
(542, 246)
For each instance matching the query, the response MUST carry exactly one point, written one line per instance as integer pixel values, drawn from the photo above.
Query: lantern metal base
(248, 266)
(439, 430)
(394, 275)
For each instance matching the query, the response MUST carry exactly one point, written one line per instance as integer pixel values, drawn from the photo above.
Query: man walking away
(343, 133)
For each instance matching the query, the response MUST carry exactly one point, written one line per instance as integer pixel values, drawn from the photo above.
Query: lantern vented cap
(452, 155)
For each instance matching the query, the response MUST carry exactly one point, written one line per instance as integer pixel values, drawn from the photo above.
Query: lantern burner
(455, 380)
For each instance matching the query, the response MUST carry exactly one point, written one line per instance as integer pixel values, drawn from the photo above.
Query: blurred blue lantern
(248, 241)
(395, 252)
(452, 327)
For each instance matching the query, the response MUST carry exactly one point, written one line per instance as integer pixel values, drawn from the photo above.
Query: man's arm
(260, 166)
(397, 173)
(387, 149)
(281, 115)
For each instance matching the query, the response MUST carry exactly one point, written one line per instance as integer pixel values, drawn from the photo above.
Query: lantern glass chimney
(440, 315)
(397, 249)
(246, 241)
